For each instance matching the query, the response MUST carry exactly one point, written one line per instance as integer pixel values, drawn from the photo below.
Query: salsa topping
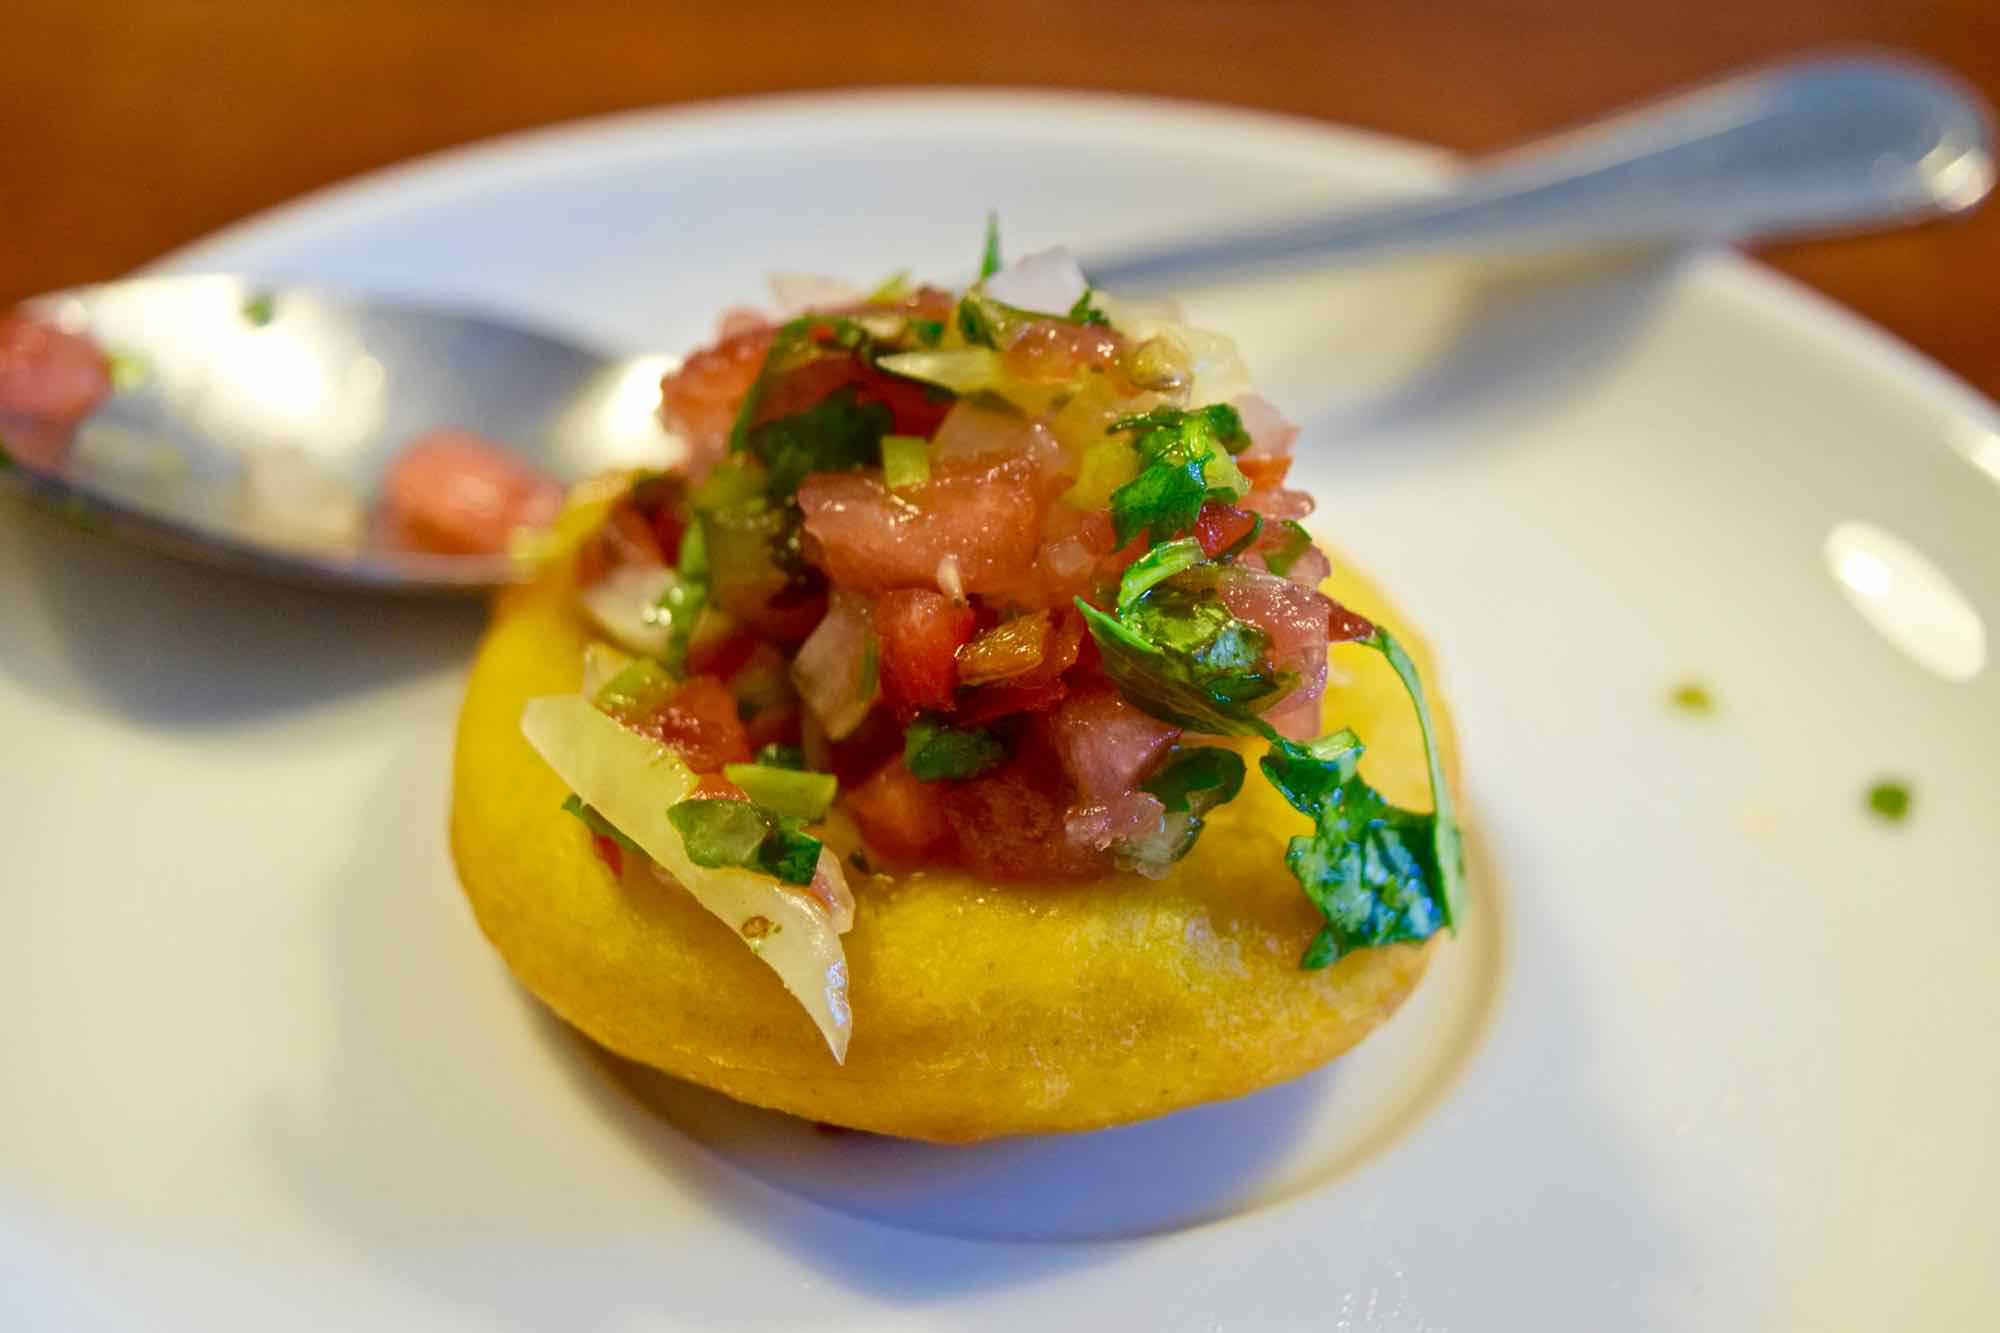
(986, 581)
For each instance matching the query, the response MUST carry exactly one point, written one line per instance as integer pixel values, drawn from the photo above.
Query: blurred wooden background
(131, 128)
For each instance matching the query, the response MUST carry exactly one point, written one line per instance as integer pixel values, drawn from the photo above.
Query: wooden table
(130, 129)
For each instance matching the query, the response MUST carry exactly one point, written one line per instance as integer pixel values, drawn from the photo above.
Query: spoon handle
(1818, 145)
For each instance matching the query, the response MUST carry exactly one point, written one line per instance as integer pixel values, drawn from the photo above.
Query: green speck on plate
(1691, 696)
(1890, 800)
(260, 309)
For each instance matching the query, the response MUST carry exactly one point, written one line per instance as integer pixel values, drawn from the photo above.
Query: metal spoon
(229, 380)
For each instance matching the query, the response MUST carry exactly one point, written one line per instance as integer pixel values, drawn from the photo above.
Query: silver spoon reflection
(253, 427)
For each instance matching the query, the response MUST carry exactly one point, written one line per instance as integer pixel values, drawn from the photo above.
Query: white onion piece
(625, 604)
(834, 670)
(802, 292)
(632, 781)
(1047, 281)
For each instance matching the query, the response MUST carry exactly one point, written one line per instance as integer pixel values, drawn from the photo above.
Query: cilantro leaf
(932, 750)
(6, 459)
(792, 345)
(598, 824)
(736, 835)
(1156, 566)
(835, 434)
(1197, 780)
(1378, 873)
(1191, 784)
(1370, 868)
(1186, 460)
(1179, 655)
(989, 258)
(1083, 312)
(1297, 542)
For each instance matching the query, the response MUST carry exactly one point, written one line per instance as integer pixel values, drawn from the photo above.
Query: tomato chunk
(452, 493)
(699, 720)
(1219, 527)
(900, 817)
(921, 632)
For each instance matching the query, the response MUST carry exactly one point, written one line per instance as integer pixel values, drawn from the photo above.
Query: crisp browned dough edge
(979, 1010)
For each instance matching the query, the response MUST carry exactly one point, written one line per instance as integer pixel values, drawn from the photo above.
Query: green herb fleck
(261, 309)
(989, 258)
(1889, 799)
(638, 688)
(836, 434)
(932, 750)
(785, 791)
(737, 835)
(929, 332)
(1186, 462)
(597, 823)
(1156, 566)
(1691, 696)
(128, 370)
(1295, 543)
(1083, 312)
(1197, 780)
(859, 860)
(775, 755)
(6, 459)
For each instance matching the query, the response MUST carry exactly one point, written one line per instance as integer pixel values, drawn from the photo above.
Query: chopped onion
(1047, 281)
(837, 669)
(632, 781)
(949, 582)
(802, 292)
(625, 604)
(963, 370)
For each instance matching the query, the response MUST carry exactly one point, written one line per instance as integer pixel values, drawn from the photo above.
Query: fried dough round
(979, 1009)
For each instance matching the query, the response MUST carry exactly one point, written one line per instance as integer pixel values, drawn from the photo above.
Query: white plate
(1716, 1052)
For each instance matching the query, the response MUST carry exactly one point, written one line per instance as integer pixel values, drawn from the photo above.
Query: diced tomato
(1053, 351)
(1266, 472)
(715, 787)
(700, 721)
(1105, 745)
(1277, 502)
(911, 406)
(609, 852)
(623, 538)
(870, 540)
(724, 655)
(1220, 526)
(996, 701)
(853, 758)
(1296, 619)
(452, 493)
(921, 633)
(899, 817)
(1009, 823)
(774, 726)
(661, 502)
(46, 374)
(698, 400)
